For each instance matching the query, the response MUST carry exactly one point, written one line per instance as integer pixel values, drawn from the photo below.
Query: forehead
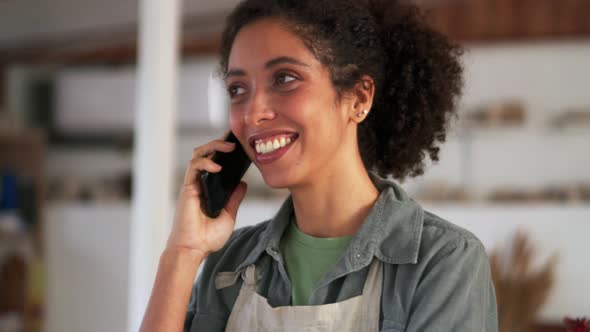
(263, 40)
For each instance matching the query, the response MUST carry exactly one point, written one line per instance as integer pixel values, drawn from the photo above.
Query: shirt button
(358, 255)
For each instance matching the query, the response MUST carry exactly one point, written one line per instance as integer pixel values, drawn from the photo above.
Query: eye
(235, 90)
(284, 78)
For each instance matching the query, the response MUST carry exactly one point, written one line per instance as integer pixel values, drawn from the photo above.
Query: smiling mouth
(273, 143)
(272, 148)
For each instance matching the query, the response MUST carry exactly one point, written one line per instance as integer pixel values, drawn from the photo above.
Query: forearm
(170, 296)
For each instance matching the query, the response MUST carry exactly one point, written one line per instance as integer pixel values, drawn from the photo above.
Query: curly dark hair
(416, 70)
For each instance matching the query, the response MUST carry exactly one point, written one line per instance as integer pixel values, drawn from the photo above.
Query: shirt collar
(391, 231)
(393, 228)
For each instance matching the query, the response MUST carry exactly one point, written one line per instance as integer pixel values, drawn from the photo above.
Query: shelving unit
(485, 160)
(23, 153)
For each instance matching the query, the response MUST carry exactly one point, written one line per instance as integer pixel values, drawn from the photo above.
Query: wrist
(194, 256)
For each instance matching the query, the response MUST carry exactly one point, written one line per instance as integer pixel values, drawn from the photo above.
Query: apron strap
(374, 283)
(249, 275)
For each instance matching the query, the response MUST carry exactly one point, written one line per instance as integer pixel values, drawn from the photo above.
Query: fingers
(235, 199)
(202, 162)
(208, 149)
(196, 166)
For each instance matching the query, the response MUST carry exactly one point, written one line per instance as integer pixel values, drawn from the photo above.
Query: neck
(335, 203)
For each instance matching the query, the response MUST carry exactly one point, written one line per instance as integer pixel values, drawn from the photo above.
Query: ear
(362, 98)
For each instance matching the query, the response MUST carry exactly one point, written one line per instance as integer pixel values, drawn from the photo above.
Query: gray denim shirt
(436, 275)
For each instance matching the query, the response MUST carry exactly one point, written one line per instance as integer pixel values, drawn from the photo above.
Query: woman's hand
(192, 228)
(193, 237)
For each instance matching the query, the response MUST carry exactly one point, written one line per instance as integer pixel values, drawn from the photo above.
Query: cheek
(234, 121)
(303, 106)
(317, 119)
(315, 109)
(236, 124)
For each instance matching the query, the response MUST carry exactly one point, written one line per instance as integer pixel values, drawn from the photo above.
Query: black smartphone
(217, 187)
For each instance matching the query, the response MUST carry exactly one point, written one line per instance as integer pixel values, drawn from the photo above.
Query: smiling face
(284, 107)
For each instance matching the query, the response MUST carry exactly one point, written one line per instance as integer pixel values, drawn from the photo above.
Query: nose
(259, 109)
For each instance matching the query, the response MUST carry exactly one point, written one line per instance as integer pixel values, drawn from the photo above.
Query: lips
(267, 136)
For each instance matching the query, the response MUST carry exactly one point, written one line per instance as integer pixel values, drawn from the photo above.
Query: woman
(328, 98)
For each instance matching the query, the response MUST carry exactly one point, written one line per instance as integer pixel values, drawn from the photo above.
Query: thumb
(235, 199)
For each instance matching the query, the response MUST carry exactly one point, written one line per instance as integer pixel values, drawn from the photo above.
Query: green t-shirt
(308, 258)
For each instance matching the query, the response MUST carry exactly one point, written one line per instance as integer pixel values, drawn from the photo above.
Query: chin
(278, 180)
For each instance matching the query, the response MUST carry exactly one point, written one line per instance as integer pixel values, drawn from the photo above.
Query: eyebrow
(284, 59)
(269, 64)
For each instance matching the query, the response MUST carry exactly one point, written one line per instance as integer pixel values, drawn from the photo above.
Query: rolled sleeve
(456, 292)
(192, 308)
(206, 309)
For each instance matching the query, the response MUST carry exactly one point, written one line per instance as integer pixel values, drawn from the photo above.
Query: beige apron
(251, 312)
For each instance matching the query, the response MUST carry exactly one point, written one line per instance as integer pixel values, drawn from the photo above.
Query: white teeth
(272, 145)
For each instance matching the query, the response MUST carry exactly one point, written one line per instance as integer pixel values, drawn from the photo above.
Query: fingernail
(230, 143)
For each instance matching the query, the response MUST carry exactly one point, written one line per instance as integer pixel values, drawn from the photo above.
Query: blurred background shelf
(22, 226)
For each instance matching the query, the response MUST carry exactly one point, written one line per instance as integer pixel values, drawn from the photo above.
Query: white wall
(87, 261)
(548, 76)
(101, 100)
